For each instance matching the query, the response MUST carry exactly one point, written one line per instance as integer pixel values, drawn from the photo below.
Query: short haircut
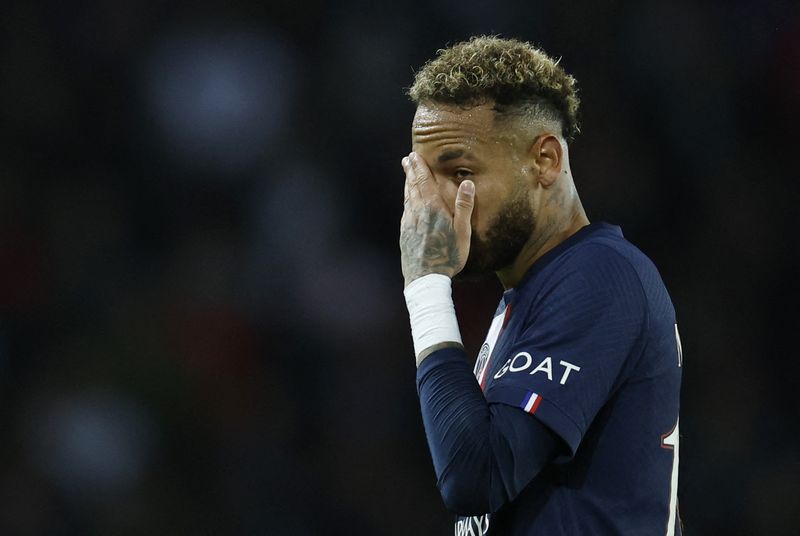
(519, 78)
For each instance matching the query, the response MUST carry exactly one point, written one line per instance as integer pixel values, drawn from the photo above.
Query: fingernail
(404, 161)
(469, 187)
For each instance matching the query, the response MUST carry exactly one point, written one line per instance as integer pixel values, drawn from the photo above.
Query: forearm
(483, 455)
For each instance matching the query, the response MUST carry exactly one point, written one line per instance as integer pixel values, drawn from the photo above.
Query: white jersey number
(672, 441)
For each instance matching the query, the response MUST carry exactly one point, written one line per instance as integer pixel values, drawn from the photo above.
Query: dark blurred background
(202, 327)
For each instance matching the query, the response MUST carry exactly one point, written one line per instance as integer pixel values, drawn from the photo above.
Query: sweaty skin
(524, 200)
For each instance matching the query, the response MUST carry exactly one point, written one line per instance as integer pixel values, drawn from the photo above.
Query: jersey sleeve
(582, 334)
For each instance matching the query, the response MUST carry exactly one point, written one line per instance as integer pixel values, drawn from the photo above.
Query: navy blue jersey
(587, 343)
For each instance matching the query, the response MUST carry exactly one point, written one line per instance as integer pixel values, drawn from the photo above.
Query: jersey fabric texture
(588, 345)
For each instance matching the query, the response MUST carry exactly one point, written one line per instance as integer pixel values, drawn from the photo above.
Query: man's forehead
(448, 115)
(449, 124)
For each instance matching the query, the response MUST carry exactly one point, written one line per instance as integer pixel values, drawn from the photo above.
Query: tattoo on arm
(430, 246)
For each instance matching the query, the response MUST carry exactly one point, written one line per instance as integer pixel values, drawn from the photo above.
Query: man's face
(460, 144)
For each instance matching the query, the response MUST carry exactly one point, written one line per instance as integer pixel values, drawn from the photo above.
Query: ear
(547, 155)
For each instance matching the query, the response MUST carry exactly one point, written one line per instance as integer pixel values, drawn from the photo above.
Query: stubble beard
(502, 243)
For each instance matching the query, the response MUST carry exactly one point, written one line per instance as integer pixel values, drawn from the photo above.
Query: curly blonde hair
(518, 77)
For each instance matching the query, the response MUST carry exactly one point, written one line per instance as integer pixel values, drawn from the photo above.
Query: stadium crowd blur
(202, 328)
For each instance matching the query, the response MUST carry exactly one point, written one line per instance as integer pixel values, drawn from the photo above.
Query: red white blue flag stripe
(531, 402)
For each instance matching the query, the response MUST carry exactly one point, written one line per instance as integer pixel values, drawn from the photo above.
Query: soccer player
(572, 425)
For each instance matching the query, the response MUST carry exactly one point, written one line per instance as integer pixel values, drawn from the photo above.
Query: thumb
(462, 215)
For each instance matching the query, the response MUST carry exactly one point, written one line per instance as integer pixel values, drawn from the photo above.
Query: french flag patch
(531, 402)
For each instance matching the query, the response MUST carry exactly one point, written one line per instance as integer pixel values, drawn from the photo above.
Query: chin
(485, 260)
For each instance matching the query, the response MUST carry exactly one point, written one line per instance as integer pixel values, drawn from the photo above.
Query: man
(572, 425)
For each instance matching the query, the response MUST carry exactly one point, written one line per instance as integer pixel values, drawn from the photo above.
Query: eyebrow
(451, 155)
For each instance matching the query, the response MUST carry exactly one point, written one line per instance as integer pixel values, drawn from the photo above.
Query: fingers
(424, 178)
(462, 215)
(405, 186)
(411, 192)
(419, 180)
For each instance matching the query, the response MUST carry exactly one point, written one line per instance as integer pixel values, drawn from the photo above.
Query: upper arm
(580, 339)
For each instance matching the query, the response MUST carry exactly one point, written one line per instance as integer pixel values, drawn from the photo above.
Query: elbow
(464, 497)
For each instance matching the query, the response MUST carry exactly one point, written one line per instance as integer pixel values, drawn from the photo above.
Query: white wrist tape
(431, 311)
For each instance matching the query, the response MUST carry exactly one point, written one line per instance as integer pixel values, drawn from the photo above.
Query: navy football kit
(572, 425)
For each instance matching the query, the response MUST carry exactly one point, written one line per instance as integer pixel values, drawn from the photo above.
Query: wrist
(432, 314)
(415, 276)
(436, 347)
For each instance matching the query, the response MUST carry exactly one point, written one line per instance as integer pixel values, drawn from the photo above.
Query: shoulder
(610, 248)
(615, 271)
(597, 265)
(601, 263)
(602, 272)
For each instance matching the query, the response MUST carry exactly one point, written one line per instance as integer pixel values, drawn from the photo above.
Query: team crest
(482, 361)
(485, 353)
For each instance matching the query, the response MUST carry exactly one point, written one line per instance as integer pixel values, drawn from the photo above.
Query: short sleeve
(583, 329)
